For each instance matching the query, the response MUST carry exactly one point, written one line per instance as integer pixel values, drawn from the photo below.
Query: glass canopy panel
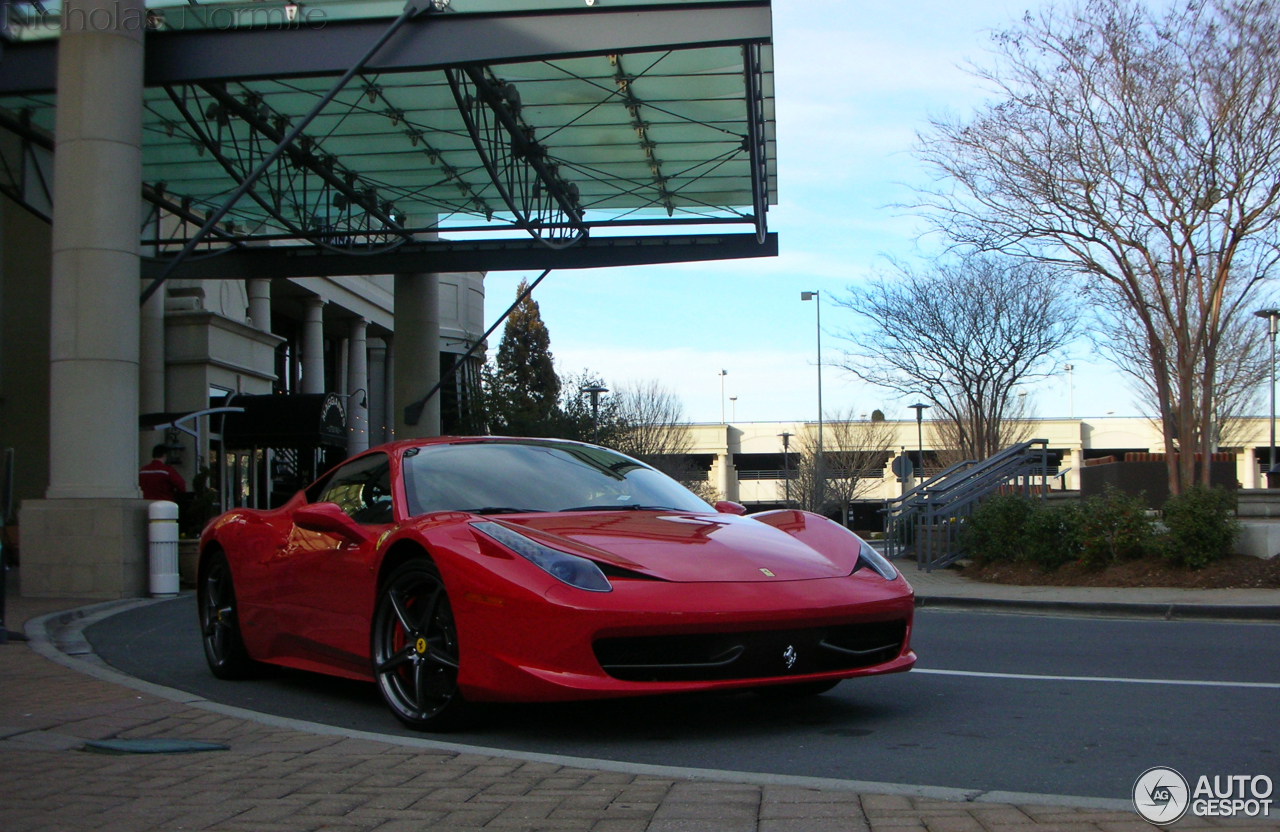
(642, 136)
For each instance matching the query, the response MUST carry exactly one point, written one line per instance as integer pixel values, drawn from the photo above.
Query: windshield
(501, 477)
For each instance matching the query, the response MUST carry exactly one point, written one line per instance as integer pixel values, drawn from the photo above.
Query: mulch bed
(1234, 572)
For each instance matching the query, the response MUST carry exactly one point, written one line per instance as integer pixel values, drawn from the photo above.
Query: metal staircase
(926, 521)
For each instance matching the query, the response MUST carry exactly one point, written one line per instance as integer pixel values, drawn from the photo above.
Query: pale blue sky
(854, 83)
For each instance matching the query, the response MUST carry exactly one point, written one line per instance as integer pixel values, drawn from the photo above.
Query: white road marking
(1039, 678)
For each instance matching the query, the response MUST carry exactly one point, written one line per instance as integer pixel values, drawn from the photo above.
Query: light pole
(1272, 316)
(818, 460)
(1071, 390)
(733, 408)
(595, 391)
(786, 467)
(723, 373)
(920, 408)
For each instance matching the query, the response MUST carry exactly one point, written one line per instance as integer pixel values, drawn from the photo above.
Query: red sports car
(453, 571)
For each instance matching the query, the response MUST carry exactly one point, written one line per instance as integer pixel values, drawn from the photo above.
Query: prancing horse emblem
(789, 656)
(767, 572)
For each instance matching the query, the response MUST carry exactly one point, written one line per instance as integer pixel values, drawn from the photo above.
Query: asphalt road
(996, 733)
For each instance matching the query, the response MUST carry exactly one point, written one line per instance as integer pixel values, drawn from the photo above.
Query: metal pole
(723, 373)
(920, 439)
(1271, 327)
(822, 469)
(786, 467)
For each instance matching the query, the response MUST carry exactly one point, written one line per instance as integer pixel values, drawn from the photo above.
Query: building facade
(747, 463)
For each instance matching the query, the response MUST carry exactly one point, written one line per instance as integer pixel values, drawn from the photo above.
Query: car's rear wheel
(415, 650)
(797, 690)
(220, 621)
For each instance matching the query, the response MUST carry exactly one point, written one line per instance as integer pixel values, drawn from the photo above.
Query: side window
(362, 489)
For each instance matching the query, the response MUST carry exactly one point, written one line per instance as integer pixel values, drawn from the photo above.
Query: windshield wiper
(502, 510)
(622, 507)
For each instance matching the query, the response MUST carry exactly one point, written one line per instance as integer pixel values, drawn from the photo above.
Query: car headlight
(573, 570)
(878, 562)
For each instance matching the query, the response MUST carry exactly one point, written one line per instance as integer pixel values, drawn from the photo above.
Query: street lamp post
(1071, 390)
(733, 408)
(595, 391)
(1272, 316)
(786, 467)
(920, 408)
(723, 373)
(821, 484)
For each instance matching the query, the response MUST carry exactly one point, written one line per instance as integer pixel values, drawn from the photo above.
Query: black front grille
(702, 657)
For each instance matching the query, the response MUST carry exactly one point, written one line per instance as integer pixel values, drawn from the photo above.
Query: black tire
(220, 622)
(415, 650)
(798, 690)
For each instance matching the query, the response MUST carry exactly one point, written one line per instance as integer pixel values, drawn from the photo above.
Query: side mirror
(729, 507)
(328, 518)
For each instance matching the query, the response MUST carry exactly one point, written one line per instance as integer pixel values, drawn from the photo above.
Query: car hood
(688, 547)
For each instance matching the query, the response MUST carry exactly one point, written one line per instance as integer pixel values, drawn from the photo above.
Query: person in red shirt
(160, 480)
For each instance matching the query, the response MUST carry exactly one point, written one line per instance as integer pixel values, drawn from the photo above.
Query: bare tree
(948, 439)
(1243, 369)
(964, 335)
(854, 457)
(650, 426)
(1141, 149)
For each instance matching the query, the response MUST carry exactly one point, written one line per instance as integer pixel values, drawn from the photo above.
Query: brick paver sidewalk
(278, 779)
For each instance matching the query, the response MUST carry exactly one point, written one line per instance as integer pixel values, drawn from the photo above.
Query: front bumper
(548, 648)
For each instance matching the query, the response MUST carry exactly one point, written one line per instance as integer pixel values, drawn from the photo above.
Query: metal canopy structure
(485, 135)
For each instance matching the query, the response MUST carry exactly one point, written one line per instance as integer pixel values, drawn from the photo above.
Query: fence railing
(927, 520)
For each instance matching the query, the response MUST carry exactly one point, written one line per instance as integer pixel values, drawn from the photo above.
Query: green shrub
(1053, 533)
(997, 529)
(1113, 527)
(1200, 526)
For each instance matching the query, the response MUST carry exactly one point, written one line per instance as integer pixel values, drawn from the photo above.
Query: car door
(326, 585)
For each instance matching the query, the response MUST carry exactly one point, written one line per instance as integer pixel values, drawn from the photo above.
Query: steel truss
(27, 179)
(308, 192)
(544, 204)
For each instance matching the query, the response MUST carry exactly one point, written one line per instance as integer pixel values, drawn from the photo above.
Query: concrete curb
(85, 661)
(1126, 609)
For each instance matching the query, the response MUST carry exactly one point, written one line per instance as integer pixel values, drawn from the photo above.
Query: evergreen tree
(524, 388)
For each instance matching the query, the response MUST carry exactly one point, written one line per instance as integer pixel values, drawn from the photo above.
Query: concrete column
(377, 376)
(88, 537)
(151, 370)
(726, 477)
(313, 345)
(1077, 465)
(358, 386)
(389, 392)
(1248, 474)
(260, 303)
(417, 320)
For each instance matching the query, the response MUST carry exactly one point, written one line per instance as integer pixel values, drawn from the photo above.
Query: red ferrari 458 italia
(455, 571)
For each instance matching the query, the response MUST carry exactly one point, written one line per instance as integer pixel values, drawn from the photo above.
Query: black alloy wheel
(796, 690)
(415, 650)
(220, 622)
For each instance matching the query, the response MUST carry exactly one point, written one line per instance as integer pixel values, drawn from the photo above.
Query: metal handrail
(943, 501)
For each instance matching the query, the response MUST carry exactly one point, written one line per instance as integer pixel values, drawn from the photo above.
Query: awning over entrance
(485, 121)
(295, 421)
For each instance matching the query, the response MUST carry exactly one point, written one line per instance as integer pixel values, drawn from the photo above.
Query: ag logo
(789, 656)
(1160, 795)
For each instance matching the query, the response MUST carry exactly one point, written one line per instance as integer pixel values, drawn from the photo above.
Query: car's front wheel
(220, 621)
(415, 649)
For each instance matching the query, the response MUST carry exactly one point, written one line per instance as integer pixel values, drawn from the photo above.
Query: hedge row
(1192, 529)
